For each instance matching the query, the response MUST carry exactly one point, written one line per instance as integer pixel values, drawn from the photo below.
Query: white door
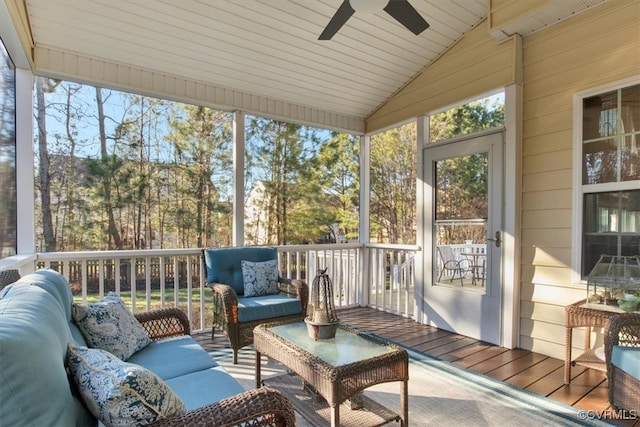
(462, 234)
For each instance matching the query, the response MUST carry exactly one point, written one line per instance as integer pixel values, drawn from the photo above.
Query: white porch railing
(380, 276)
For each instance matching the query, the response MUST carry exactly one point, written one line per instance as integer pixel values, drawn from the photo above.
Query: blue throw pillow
(120, 393)
(260, 278)
(109, 325)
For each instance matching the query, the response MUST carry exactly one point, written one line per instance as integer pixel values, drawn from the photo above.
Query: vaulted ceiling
(266, 50)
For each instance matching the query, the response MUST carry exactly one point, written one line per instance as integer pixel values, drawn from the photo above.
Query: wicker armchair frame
(259, 407)
(240, 334)
(624, 390)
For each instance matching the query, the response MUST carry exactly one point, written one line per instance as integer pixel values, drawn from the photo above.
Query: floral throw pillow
(260, 278)
(109, 325)
(120, 393)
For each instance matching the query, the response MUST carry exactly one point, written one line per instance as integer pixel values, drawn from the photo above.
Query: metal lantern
(322, 321)
(614, 278)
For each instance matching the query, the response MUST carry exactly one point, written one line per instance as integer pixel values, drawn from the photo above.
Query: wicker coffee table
(339, 368)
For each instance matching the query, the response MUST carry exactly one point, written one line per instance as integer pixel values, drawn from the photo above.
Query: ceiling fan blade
(341, 16)
(405, 14)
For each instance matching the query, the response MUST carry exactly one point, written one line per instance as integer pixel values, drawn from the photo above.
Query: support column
(365, 202)
(238, 178)
(422, 139)
(512, 241)
(25, 178)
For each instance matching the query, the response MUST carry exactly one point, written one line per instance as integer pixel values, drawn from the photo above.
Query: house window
(610, 185)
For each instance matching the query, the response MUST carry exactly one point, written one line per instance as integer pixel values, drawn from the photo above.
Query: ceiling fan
(400, 10)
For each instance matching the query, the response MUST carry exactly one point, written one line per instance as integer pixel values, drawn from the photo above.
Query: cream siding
(597, 47)
(475, 64)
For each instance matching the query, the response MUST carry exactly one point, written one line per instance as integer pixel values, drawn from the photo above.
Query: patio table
(338, 368)
(477, 262)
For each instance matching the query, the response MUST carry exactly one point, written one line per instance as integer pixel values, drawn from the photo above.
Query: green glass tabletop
(345, 348)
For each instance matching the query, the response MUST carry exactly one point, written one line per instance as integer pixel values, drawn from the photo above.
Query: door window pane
(461, 205)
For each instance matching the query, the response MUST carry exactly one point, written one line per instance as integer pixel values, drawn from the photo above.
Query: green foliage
(129, 171)
(466, 119)
(393, 185)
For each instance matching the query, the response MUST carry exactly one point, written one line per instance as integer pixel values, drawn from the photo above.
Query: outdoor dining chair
(455, 266)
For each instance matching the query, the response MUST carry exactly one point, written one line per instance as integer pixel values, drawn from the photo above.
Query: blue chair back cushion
(224, 265)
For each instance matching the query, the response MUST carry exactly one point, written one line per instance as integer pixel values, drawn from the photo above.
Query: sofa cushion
(224, 264)
(204, 387)
(34, 334)
(627, 359)
(109, 325)
(267, 307)
(120, 393)
(173, 357)
(260, 278)
(54, 283)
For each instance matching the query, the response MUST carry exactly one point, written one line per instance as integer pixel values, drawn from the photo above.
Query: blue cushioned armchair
(237, 314)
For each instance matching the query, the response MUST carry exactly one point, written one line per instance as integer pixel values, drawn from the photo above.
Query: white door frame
(469, 310)
(511, 239)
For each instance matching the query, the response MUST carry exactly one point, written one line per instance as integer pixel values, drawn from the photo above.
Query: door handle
(497, 240)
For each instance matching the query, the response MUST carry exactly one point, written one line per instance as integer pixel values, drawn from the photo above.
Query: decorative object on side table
(322, 321)
(615, 281)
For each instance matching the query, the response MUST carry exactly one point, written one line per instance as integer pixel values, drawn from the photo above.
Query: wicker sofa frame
(624, 390)
(258, 407)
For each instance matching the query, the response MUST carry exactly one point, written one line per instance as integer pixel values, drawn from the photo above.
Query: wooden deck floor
(531, 371)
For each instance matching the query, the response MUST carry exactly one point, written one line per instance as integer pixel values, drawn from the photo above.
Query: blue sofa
(36, 327)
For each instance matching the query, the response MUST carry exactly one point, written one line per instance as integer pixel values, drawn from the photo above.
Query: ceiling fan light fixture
(368, 6)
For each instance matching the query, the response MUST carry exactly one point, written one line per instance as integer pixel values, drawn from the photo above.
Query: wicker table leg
(335, 415)
(567, 357)
(258, 373)
(404, 403)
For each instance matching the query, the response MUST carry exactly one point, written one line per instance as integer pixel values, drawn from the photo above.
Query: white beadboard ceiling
(265, 49)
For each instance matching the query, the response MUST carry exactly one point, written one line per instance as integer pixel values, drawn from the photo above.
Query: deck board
(534, 372)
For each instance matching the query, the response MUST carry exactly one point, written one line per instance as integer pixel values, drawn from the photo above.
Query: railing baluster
(132, 282)
(176, 283)
(147, 282)
(117, 262)
(189, 291)
(163, 275)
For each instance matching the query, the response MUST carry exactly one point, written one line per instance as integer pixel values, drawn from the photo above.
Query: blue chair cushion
(627, 359)
(172, 357)
(204, 387)
(224, 265)
(267, 307)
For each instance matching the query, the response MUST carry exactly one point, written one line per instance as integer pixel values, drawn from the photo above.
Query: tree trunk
(45, 182)
(106, 180)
